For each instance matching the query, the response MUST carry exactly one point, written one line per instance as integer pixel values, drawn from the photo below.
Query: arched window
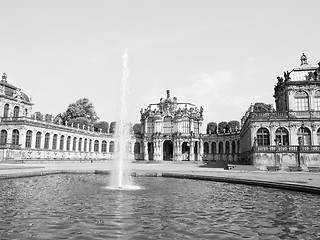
(6, 110)
(318, 135)
(46, 141)
(196, 127)
(68, 143)
(104, 146)
(28, 139)
(317, 101)
(15, 137)
(85, 144)
(16, 111)
(301, 101)
(305, 135)
(3, 137)
(74, 144)
(282, 136)
(238, 143)
(96, 146)
(80, 145)
(54, 141)
(220, 147)
(263, 137)
(233, 147)
(227, 147)
(38, 140)
(111, 147)
(90, 145)
(185, 125)
(137, 148)
(213, 147)
(167, 124)
(150, 125)
(206, 148)
(61, 142)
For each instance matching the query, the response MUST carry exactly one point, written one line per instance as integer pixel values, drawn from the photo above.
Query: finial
(4, 77)
(303, 59)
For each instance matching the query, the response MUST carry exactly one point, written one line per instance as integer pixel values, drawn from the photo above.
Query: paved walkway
(304, 179)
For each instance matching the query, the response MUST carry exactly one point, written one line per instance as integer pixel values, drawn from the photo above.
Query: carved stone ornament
(2, 90)
(17, 94)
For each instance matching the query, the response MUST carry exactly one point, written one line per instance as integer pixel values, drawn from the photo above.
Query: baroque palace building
(288, 136)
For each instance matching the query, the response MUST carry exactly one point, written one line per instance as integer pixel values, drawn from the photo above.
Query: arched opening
(6, 110)
(104, 146)
(96, 146)
(74, 144)
(263, 137)
(61, 142)
(3, 137)
(233, 147)
(301, 101)
(28, 139)
(221, 147)
(206, 148)
(15, 137)
(54, 141)
(136, 148)
(46, 141)
(68, 143)
(213, 147)
(16, 111)
(85, 145)
(167, 150)
(38, 140)
(111, 147)
(185, 151)
(80, 145)
(150, 125)
(282, 136)
(150, 150)
(305, 135)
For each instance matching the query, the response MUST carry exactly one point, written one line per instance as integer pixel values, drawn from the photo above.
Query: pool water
(79, 206)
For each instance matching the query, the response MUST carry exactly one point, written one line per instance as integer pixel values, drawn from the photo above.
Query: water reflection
(79, 206)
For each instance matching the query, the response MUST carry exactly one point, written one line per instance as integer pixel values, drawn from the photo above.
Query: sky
(221, 55)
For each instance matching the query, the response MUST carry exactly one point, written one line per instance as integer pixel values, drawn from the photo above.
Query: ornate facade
(290, 135)
(171, 130)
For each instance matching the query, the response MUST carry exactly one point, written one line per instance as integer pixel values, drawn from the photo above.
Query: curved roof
(13, 91)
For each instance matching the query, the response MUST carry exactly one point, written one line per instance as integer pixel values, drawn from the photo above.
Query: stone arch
(54, 141)
(46, 141)
(213, 147)
(282, 136)
(167, 150)
(206, 147)
(220, 147)
(38, 140)
(104, 146)
(16, 111)
(304, 134)
(111, 147)
(96, 146)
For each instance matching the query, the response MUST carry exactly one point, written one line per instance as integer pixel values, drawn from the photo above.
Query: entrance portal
(168, 150)
(150, 150)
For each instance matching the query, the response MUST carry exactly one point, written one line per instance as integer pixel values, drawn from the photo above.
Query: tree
(222, 126)
(112, 128)
(38, 116)
(233, 126)
(48, 117)
(137, 128)
(104, 126)
(262, 107)
(211, 127)
(82, 108)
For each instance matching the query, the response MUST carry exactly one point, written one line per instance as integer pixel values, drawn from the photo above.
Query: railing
(289, 148)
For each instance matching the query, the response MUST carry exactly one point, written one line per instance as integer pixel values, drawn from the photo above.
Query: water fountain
(120, 173)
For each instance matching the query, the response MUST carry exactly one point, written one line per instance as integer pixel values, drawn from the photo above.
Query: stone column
(200, 150)
(191, 155)
(22, 138)
(145, 151)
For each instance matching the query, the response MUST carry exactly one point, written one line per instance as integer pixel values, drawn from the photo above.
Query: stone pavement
(300, 180)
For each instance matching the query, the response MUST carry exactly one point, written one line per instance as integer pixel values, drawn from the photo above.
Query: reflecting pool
(77, 206)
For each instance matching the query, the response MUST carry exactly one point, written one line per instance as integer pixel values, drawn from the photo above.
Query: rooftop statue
(303, 59)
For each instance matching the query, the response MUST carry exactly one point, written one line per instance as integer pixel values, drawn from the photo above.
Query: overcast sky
(221, 55)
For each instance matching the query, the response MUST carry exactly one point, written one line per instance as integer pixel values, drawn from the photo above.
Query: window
(305, 135)
(46, 141)
(196, 127)
(150, 125)
(68, 143)
(213, 147)
(167, 125)
(54, 141)
(263, 137)
(61, 142)
(28, 139)
(220, 147)
(74, 144)
(96, 146)
(136, 147)
(38, 140)
(317, 101)
(80, 145)
(233, 147)
(85, 145)
(301, 101)
(282, 136)
(16, 111)
(3, 137)
(15, 137)
(318, 135)
(227, 147)
(6, 110)
(185, 125)
(104, 146)
(111, 147)
(206, 148)
(90, 145)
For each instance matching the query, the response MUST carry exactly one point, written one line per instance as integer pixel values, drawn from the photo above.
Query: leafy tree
(112, 128)
(233, 126)
(211, 127)
(104, 126)
(58, 119)
(222, 126)
(82, 108)
(137, 128)
(262, 107)
(38, 116)
(48, 117)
